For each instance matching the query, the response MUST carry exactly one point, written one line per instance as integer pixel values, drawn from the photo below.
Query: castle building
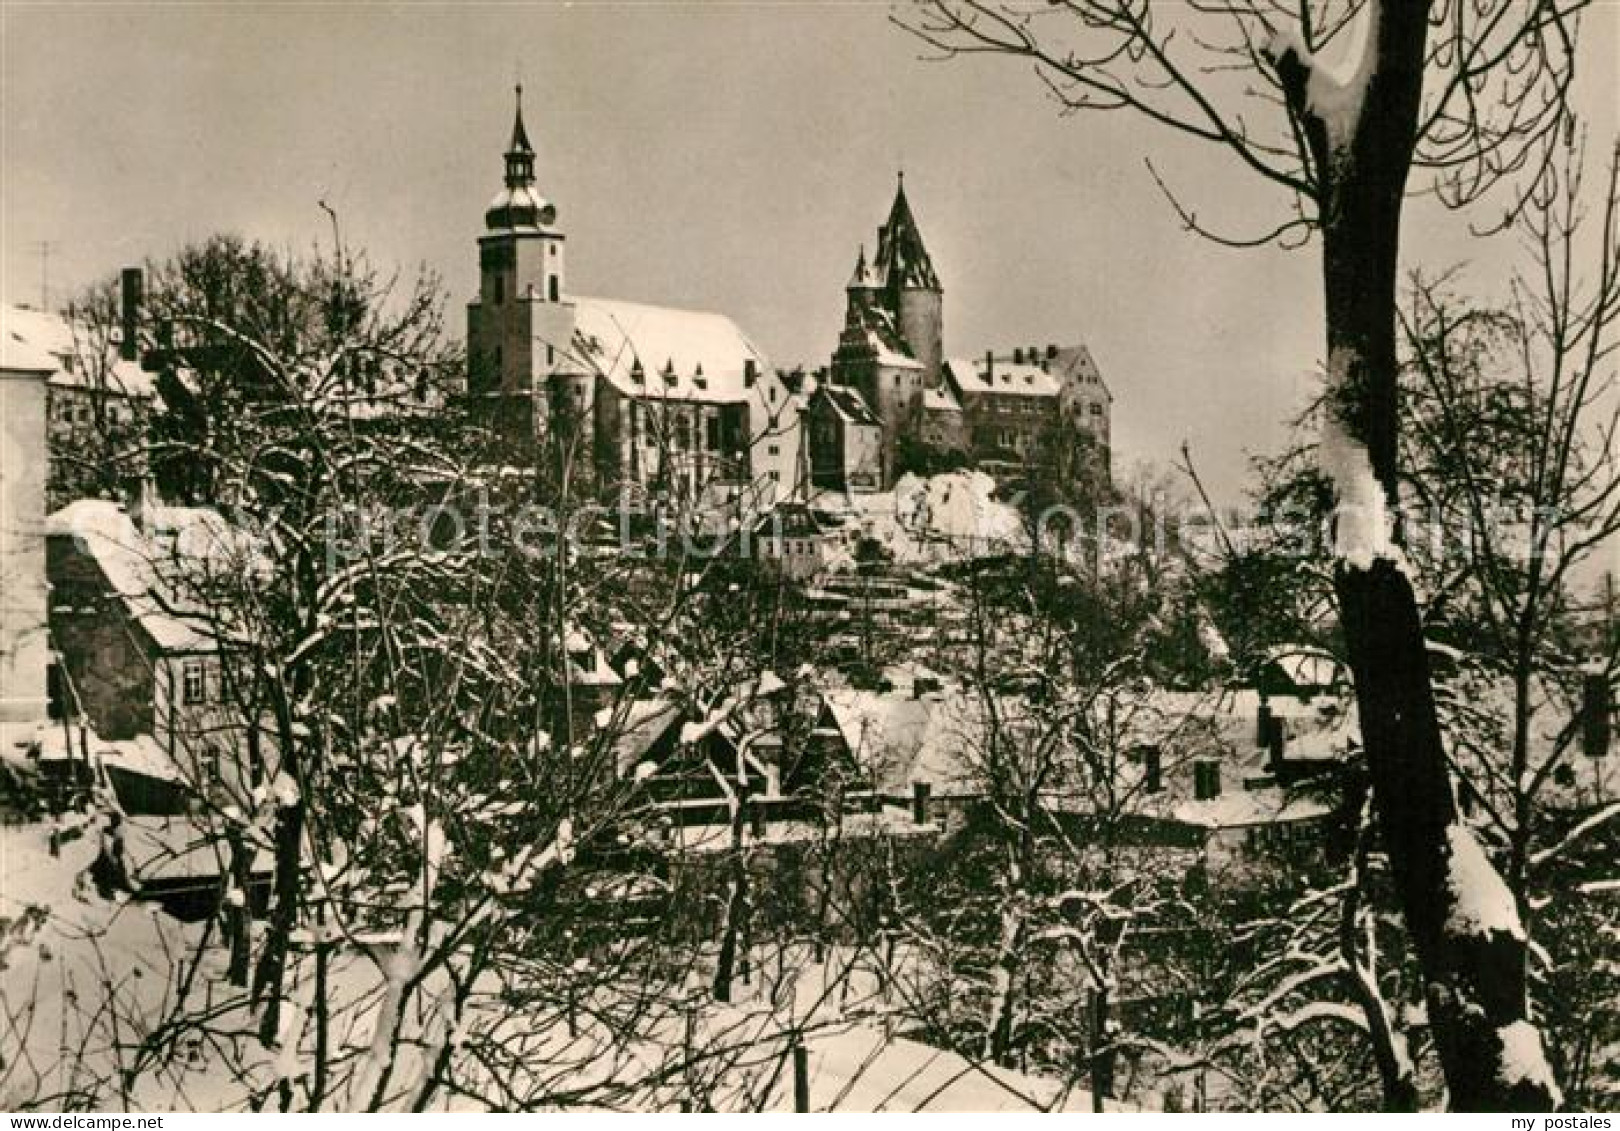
(679, 403)
(890, 368)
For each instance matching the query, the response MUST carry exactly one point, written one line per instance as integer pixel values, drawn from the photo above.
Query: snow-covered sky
(729, 157)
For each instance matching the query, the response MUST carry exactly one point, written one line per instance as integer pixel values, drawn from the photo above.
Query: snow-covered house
(924, 744)
(1301, 672)
(137, 653)
(678, 402)
(846, 441)
(1016, 404)
(25, 369)
(96, 394)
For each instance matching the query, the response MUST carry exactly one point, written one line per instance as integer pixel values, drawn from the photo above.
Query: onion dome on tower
(519, 205)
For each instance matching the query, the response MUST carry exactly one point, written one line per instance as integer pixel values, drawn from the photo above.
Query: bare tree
(1468, 94)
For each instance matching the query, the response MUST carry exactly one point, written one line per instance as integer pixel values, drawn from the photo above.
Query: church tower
(520, 328)
(911, 288)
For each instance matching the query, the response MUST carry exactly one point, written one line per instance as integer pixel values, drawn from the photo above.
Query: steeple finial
(862, 278)
(520, 136)
(519, 154)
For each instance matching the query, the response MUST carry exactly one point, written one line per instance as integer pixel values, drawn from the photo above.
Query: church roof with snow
(664, 352)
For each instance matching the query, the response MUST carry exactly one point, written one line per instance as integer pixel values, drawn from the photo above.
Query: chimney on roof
(1596, 707)
(1051, 351)
(140, 500)
(1206, 779)
(921, 792)
(989, 366)
(1152, 769)
(750, 372)
(1018, 355)
(1276, 747)
(129, 309)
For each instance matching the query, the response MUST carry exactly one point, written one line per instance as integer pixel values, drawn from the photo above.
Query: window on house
(773, 449)
(1096, 410)
(193, 683)
(208, 765)
(711, 433)
(776, 476)
(773, 394)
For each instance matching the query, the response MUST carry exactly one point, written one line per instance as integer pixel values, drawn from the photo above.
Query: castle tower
(520, 327)
(911, 287)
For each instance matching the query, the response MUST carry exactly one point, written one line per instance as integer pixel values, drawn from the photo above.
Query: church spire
(519, 154)
(864, 278)
(902, 260)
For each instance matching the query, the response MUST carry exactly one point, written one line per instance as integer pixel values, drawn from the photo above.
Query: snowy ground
(924, 521)
(88, 984)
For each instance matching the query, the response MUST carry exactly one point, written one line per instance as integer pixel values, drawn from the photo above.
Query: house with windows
(136, 656)
(97, 399)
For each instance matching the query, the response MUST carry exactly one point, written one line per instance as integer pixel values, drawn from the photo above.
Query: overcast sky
(720, 157)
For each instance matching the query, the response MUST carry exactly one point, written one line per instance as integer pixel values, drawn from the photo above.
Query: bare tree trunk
(1474, 977)
(734, 932)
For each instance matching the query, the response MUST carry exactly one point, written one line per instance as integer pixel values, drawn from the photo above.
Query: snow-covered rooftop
(1003, 378)
(148, 567)
(683, 354)
(35, 340)
(903, 739)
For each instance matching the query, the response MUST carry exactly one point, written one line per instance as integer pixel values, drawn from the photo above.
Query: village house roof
(903, 739)
(148, 566)
(661, 352)
(38, 340)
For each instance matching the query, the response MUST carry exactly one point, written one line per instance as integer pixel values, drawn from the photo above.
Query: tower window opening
(551, 285)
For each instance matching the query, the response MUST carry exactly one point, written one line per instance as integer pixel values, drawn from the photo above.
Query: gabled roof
(677, 354)
(38, 340)
(154, 571)
(1306, 666)
(902, 260)
(902, 739)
